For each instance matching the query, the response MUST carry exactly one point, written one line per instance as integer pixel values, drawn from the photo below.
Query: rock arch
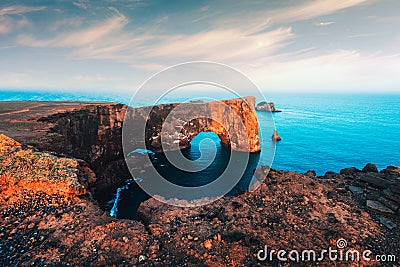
(242, 134)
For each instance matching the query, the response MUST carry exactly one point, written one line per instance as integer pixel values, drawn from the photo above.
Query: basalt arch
(172, 126)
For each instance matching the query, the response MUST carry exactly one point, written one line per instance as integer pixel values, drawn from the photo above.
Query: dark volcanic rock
(349, 171)
(370, 168)
(268, 107)
(311, 173)
(379, 207)
(376, 181)
(275, 136)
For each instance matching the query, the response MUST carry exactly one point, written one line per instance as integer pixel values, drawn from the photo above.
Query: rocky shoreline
(59, 159)
(46, 225)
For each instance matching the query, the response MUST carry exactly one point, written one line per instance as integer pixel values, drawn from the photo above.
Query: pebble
(208, 244)
(125, 239)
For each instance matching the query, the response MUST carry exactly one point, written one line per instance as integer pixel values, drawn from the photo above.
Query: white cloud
(8, 24)
(324, 23)
(204, 8)
(17, 10)
(84, 4)
(77, 38)
(312, 9)
(97, 78)
(346, 70)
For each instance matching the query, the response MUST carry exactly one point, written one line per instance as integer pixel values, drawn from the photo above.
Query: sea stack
(275, 136)
(267, 107)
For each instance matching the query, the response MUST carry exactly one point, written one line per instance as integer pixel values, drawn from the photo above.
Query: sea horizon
(326, 123)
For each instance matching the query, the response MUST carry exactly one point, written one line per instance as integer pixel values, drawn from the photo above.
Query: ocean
(321, 132)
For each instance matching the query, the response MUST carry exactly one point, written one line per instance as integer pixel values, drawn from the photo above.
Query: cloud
(329, 71)
(77, 38)
(84, 4)
(361, 35)
(18, 10)
(324, 23)
(312, 9)
(97, 78)
(8, 24)
(204, 8)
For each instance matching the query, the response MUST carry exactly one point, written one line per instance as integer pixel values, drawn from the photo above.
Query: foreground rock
(43, 224)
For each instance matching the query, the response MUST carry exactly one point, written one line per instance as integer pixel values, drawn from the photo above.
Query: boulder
(378, 207)
(370, 168)
(330, 175)
(376, 181)
(349, 171)
(311, 173)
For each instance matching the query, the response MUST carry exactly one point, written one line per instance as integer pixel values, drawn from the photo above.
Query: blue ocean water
(323, 132)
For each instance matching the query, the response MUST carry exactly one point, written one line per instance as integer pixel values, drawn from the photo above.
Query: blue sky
(295, 45)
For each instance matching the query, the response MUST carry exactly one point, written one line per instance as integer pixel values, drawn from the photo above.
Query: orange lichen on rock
(7, 143)
(26, 169)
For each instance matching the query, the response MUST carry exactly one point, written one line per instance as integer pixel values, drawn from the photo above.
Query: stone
(208, 244)
(376, 181)
(391, 195)
(356, 190)
(311, 173)
(392, 172)
(378, 207)
(275, 136)
(349, 171)
(330, 175)
(370, 168)
(389, 203)
(388, 223)
(268, 107)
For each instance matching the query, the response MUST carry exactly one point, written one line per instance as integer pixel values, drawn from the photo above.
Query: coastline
(58, 221)
(288, 210)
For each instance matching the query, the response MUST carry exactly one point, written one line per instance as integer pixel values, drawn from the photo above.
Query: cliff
(43, 222)
(48, 217)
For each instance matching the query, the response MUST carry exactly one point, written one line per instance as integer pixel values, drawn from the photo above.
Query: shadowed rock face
(93, 131)
(173, 126)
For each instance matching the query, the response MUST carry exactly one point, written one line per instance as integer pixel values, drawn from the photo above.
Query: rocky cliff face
(92, 132)
(173, 126)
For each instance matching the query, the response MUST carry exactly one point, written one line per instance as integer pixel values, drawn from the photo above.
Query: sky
(283, 46)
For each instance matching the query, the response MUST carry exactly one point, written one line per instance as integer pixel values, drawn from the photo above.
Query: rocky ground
(48, 218)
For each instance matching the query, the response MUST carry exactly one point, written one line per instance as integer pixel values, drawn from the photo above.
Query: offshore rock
(268, 107)
(275, 136)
